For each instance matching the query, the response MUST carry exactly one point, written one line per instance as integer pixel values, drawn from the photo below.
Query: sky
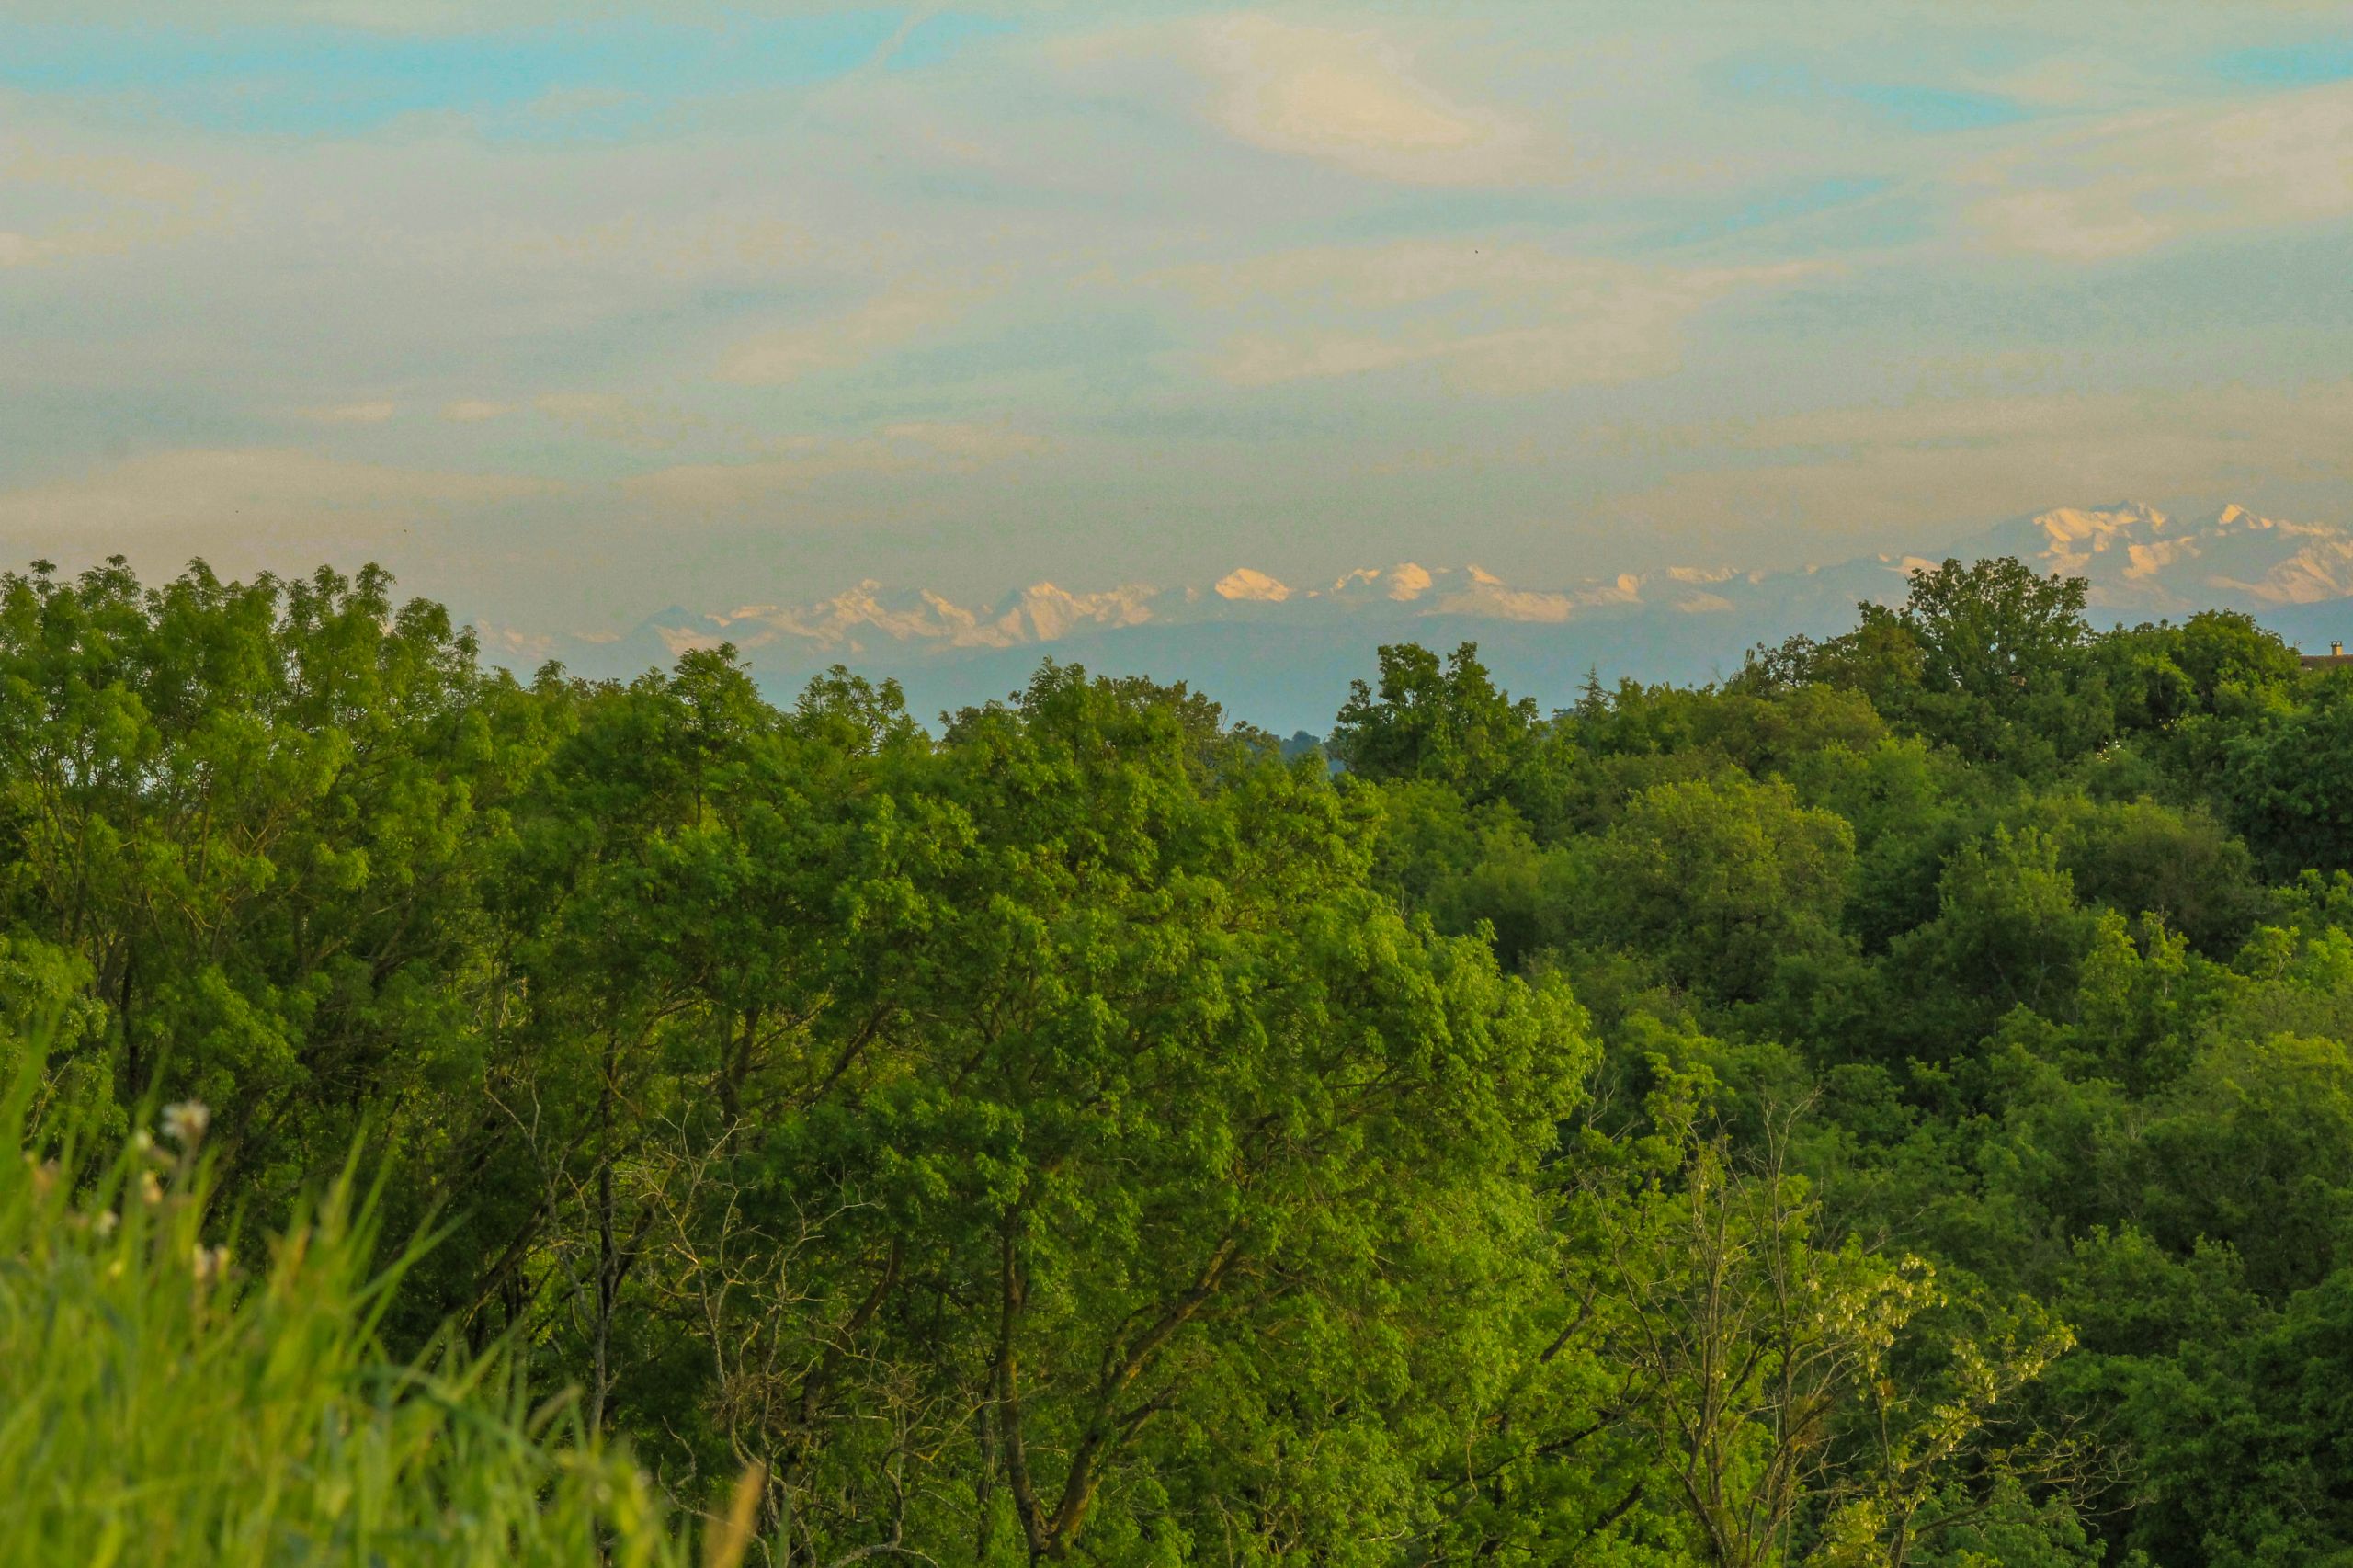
(586, 310)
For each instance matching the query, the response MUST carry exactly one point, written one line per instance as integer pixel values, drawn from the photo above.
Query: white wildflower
(184, 1123)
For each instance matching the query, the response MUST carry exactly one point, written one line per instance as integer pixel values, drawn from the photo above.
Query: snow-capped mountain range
(1281, 652)
(2141, 561)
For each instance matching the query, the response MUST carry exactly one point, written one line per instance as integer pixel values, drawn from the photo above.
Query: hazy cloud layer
(570, 310)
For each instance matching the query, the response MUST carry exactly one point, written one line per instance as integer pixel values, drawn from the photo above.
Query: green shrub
(167, 1400)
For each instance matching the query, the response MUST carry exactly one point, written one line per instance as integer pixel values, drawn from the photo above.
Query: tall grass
(166, 1400)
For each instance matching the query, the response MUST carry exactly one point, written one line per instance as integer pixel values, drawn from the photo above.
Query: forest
(1893, 1106)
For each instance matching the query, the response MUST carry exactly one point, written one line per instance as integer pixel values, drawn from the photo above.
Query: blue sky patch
(1915, 107)
(332, 80)
(1808, 200)
(2295, 66)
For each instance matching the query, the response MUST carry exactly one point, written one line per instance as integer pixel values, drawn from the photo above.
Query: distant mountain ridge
(2136, 558)
(1281, 654)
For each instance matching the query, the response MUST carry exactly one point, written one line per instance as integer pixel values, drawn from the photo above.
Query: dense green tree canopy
(1892, 1108)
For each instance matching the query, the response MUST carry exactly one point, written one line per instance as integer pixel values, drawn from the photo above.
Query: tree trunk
(607, 1257)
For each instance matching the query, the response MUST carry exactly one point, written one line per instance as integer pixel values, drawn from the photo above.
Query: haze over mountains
(1280, 654)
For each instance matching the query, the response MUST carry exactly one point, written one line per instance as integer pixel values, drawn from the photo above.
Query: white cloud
(1346, 97)
(2137, 181)
(886, 322)
(961, 441)
(474, 410)
(2073, 82)
(263, 504)
(901, 449)
(1480, 318)
(1846, 478)
(373, 413)
(1961, 424)
(101, 205)
(623, 421)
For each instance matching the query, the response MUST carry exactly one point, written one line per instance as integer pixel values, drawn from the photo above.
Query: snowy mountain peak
(1402, 584)
(2138, 559)
(2074, 529)
(1045, 612)
(1243, 584)
(1408, 582)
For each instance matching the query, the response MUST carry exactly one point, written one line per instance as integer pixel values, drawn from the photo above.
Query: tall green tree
(1446, 722)
(253, 815)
